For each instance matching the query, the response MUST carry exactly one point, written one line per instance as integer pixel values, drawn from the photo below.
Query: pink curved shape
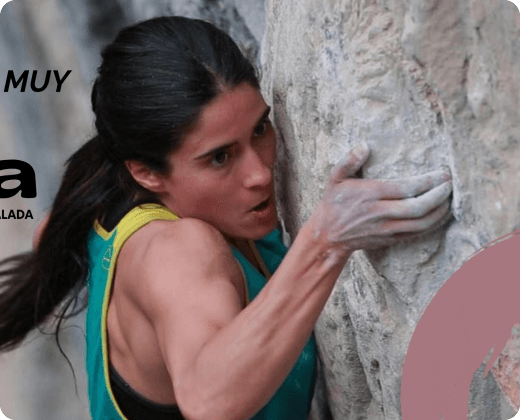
(472, 313)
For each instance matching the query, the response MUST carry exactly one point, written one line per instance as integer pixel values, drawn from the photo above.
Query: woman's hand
(367, 213)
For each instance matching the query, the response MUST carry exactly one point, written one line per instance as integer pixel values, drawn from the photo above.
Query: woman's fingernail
(361, 149)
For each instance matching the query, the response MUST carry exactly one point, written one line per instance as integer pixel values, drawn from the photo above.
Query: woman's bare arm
(226, 362)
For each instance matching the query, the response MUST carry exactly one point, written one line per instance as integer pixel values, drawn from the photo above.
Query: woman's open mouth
(262, 206)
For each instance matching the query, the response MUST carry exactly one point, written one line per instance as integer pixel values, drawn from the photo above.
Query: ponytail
(34, 284)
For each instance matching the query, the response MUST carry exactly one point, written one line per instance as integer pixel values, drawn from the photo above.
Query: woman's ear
(144, 176)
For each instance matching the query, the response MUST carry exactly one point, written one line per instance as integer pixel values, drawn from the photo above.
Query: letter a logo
(26, 177)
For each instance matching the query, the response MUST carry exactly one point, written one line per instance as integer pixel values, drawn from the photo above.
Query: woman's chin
(255, 232)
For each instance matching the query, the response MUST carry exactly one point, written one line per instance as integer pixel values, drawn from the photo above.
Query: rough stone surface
(425, 84)
(507, 369)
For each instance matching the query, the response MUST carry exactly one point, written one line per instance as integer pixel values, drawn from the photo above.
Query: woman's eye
(220, 158)
(261, 128)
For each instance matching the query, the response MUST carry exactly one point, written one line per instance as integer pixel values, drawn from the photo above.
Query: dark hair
(152, 84)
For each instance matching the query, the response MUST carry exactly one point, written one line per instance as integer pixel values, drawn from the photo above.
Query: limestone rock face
(425, 84)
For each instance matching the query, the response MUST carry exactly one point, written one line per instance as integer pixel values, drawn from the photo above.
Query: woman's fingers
(416, 207)
(413, 186)
(431, 221)
(350, 164)
(368, 213)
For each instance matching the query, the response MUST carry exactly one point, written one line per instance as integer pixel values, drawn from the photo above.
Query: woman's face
(223, 172)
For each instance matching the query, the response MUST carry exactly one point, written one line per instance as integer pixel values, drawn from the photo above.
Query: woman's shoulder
(182, 245)
(177, 259)
(185, 235)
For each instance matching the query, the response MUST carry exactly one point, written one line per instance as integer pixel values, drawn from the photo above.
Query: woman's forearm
(242, 366)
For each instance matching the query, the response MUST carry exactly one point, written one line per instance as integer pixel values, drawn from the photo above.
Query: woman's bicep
(192, 294)
(189, 320)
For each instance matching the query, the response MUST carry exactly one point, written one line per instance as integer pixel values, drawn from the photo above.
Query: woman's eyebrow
(215, 149)
(231, 143)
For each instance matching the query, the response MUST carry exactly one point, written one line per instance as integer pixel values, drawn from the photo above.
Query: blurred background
(43, 129)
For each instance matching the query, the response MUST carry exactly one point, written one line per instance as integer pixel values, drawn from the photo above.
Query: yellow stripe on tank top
(129, 224)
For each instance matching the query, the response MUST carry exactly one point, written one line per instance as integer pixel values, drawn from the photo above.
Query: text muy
(11, 79)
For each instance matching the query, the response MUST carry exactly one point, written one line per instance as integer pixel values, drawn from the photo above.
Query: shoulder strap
(259, 260)
(138, 217)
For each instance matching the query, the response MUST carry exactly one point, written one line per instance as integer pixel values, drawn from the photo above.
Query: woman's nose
(257, 172)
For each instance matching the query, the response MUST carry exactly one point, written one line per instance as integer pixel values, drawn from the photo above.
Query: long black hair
(151, 86)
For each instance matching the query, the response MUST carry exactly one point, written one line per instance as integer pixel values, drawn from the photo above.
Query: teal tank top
(290, 402)
(293, 399)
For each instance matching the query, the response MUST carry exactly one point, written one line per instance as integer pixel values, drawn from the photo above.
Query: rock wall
(426, 84)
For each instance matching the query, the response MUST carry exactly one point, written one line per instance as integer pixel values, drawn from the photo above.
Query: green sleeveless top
(290, 402)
